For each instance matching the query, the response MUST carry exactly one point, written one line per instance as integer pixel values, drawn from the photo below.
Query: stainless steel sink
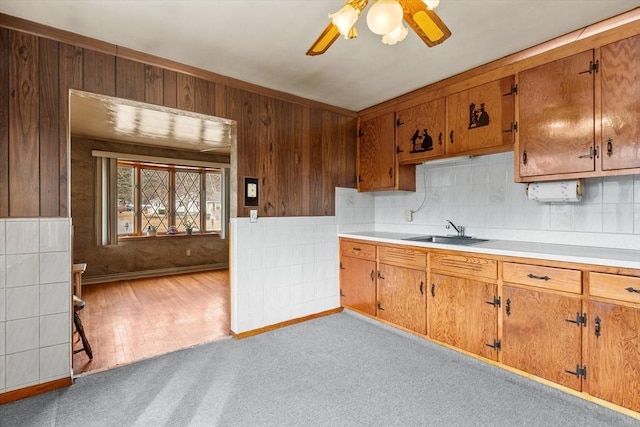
(449, 240)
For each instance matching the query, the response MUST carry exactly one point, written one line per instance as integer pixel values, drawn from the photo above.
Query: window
(164, 197)
(134, 192)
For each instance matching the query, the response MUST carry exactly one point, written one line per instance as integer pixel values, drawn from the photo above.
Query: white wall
(282, 269)
(480, 194)
(35, 301)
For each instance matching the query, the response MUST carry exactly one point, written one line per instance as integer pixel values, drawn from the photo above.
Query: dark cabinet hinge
(399, 123)
(360, 178)
(579, 372)
(497, 345)
(513, 128)
(579, 320)
(380, 276)
(379, 306)
(593, 68)
(360, 133)
(341, 266)
(341, 294)
(497, 301)
(399, 150)
(513, 91)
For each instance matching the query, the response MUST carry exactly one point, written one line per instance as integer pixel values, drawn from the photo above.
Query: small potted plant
(151, 230)
(188, 227)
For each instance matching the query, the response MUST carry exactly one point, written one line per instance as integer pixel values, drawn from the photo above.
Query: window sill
(165, 235)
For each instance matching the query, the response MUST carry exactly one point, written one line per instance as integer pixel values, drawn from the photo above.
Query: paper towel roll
(555, 191)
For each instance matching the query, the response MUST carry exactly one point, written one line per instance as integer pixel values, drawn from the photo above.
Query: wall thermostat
(250, 191)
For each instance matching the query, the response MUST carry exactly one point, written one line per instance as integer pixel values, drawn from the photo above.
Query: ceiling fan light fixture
(428, 26)
(384, 16)
(432, 4)
(344, 19)
(395, 36)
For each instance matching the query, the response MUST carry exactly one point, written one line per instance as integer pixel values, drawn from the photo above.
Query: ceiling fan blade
(425, 22)
(326, 39)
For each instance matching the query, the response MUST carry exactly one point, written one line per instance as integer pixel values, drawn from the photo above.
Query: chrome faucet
(459, 229)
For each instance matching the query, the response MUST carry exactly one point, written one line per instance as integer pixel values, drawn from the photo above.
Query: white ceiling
(264, 41)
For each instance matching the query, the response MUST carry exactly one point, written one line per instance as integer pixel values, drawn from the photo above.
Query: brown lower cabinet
(539, 336)
(575, 325)
(402, 297)
(358, 284)
(614, 354)
(464, 313)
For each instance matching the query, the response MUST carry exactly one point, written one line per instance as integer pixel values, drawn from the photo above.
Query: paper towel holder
(567, 191)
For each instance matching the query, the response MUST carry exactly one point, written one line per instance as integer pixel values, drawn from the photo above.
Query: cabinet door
(536, 336)
(376, 154)
(401, 297)
(614, 354)
(620, 68)
(357, 284)
(420, 131)
(481, 117)
(556, 124)
(460, 314)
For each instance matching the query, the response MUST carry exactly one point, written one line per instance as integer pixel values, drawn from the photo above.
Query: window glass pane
(154, 195)
(126, 212)
(214, 201)
(187, 200)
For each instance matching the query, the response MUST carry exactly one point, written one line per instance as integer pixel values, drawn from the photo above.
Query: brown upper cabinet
(377, 164)
(578, 115)
(421, 131)
(480, 120)
(620, 88)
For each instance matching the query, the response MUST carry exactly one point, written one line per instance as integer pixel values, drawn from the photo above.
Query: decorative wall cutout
(425, 145)
(477, 117)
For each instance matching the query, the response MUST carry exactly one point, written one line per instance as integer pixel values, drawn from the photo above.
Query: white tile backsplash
(22, 369)
(481, 195)
(35, 306)
(22, 334)
(22, 236)
(22, 270)
(22, 302)
(54, 329)
(271, 281)
(54, 362)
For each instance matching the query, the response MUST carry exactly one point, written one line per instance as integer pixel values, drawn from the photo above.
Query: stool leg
(85, 343)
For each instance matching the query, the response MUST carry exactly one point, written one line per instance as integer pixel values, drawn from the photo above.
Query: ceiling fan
(384, 18)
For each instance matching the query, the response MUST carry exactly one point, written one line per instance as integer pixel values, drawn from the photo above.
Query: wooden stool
(78, 269)
(78, 305)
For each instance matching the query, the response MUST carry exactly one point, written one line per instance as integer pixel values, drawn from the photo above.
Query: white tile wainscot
(282, 269)
(35, 301)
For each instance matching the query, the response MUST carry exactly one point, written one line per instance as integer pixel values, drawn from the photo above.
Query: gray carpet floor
(340, 370)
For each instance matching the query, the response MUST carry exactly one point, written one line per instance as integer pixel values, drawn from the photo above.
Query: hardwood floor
(131, 320)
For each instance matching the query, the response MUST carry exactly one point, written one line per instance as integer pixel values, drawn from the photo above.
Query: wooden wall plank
(24, 156)
(153, 85)
(130, 79)
(327, 160)
(4, 122)
(49, 132)
(293, 179)
(315, 161)
(185, 86)
(70, 74)
(99, 72)
(205, 97)
(303, 147)
(267, 172)
(282, 158)
(243, 107)
(170, 89)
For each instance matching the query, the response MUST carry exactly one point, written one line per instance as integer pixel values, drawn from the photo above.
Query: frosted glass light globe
(384, 16)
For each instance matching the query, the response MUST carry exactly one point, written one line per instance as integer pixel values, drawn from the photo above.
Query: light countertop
(609, 257)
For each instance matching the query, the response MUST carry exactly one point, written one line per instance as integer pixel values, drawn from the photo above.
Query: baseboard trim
(22, 393)
(151, 273)
(284, 324)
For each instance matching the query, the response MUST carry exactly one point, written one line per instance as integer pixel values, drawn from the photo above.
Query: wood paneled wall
(299, 150)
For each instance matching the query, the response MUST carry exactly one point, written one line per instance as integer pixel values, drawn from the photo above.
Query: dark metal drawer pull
(533, 276)
(630, 289)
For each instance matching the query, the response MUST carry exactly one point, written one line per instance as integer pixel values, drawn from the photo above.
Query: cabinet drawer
(465, 265)
(405, 257)
(357, 249)
(559, 279)
(623, 288)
